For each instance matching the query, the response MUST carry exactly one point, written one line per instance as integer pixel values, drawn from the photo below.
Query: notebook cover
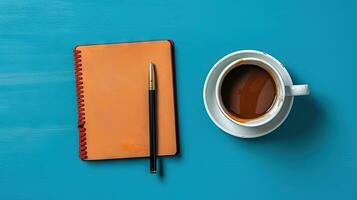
(112, 97)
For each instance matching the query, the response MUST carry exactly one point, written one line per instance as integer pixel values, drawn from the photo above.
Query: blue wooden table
(312, 156)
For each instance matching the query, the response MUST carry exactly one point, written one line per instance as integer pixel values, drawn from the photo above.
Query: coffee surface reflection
(248, 92)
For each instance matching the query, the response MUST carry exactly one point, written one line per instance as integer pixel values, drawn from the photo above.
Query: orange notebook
(112, 97)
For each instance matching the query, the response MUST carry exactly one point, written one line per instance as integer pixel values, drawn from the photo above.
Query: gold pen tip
(152, 83)
(151, 68)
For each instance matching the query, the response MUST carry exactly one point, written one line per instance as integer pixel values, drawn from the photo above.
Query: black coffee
(248, 91)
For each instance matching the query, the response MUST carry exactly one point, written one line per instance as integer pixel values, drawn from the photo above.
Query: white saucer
(218, 117)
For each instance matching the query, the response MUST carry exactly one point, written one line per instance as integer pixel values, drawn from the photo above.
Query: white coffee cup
(282, 89)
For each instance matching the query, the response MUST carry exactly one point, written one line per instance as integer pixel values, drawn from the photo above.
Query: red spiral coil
(80, 104)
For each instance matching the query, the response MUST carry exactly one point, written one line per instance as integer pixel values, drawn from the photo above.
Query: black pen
(152, 118)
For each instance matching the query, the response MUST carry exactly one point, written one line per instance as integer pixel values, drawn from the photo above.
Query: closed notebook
(112, 96)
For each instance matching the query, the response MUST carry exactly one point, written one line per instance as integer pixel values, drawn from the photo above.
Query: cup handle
(297, 90)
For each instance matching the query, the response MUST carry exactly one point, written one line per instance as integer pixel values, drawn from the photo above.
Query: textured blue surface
(312, 156)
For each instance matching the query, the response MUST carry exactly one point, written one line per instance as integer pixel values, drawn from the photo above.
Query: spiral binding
(80, 104)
